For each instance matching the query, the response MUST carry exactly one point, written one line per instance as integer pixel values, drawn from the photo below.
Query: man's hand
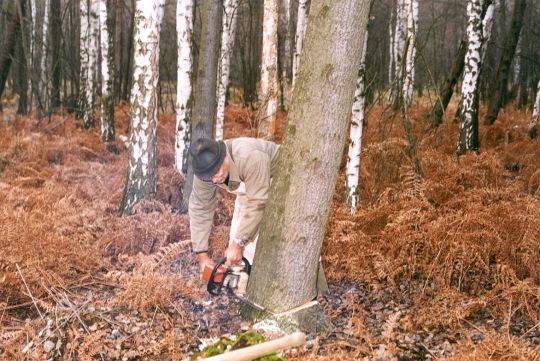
(204, 260)
(234, 254)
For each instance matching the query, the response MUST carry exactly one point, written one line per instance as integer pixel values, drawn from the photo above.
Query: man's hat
(207, 155)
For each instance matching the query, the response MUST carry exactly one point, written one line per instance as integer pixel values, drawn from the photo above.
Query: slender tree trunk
(56, 63)
(106, 21)
(499, 91)
(269, 85)
(44, 70)
(227, 41)
(184, 31)
(400, 38)
(129, 61)
(301, 26)
(8, 51)
(412, 23)
(352, 175)
(459, 62)
(285, 56)
(142, 161)
(392, 37)
(22, 61)
(118, 46)
(31, 54)
(297, 210)
(533, 126)
(204, 105)
(84, 100)
(468, 125)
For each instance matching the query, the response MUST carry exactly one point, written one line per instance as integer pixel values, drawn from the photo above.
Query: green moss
(241, 340)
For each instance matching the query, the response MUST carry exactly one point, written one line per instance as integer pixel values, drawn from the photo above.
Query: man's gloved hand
(204, 260)
(234, 253)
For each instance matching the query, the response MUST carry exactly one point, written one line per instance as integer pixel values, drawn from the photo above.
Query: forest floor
(440, 266)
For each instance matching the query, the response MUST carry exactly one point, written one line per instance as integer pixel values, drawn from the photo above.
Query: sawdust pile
(465, 237)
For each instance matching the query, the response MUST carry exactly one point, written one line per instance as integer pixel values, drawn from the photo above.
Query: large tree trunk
(301, 26)
(184, 31)
(352, 174)
(269, 81)
(227, 41)
(8, 51)
(56, 63)
(204, 105)
(106, 23)
(499, 90)
(286, 262)
(468, 125)
(142, 161)
(457, 68)
(533, 126)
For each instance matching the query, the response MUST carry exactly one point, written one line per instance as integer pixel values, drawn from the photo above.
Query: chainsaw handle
(214, 288)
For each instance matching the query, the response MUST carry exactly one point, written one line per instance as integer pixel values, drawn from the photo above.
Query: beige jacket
(253, 162)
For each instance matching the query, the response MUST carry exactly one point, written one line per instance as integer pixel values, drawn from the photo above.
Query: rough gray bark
(205, 90)
(499, 89)
(286, 262)
(22, 65)
(56, 64)
(8, 51)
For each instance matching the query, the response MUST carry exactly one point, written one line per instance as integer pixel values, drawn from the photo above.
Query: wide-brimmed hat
(207, 156)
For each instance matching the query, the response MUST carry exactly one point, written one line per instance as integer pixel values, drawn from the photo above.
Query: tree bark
(204, 105)
(106, 24)
(352, 174)
(268, 96)
(457, 68)
(184, 31)
(533, 125)
(499, 90)
(286, 262)
(468, 125)
(8, 51)
(44, 69)
(412, 24)
(301, 26)
(56, 63)
(400, 39)
(118, 46)
(227, 40)
(142, 160)
(22, 63)
(284, 50)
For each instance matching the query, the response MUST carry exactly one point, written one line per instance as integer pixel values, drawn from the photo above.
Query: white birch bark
(469, 89)
(92, 42)
(84, 100)
(142, 161)
(352, 177)
(268, 99)
(399, 38)
(536, 114)
(517, 63)
(43, 83)
(184, 30)
(107, 66)
(412, 23)
(487, 24)
(301, 26)
(227, 41)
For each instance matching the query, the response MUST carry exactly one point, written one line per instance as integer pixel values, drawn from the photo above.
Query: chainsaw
(232, 278)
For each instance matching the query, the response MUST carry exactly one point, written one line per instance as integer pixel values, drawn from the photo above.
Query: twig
(29, 292)
(75, 311)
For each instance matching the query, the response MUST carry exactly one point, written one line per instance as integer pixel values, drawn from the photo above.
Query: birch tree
(44, 69)
(468, 124)
(297, 210)
(31, 55)
(269, 84)
(142, 160)
(400, 37)
(301, 26)
(107, 70)
(533, 126)
(227, 41)
(412, 22)
(184, 31)
(352, 175)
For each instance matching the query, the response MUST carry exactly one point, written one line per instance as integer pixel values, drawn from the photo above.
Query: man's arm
(202, 205)
(257, 180)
